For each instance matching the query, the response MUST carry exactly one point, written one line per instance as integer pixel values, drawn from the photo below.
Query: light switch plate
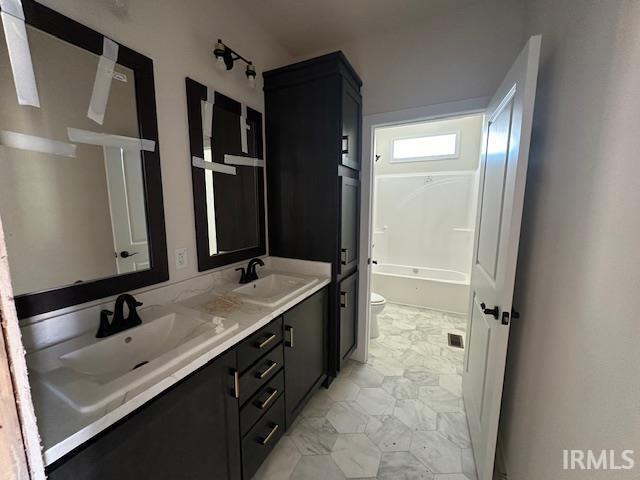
(181, 258)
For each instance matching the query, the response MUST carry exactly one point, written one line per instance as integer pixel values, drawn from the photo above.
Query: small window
(432, 147)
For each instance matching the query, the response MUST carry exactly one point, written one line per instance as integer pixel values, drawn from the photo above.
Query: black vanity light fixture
(226, 57)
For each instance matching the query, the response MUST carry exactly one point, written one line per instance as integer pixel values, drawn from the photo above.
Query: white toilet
(378, 303)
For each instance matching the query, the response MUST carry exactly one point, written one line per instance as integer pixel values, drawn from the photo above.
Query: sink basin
(274, 289)
(89, 373)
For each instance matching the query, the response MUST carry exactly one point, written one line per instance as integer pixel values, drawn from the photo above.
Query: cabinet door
(191, 431)
(351, 121)
(349, 223)
(305, 350)
(348, 301)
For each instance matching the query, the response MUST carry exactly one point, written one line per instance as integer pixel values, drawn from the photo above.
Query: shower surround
(423, 238)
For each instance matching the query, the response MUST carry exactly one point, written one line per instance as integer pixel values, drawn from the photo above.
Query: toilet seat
(377, 298)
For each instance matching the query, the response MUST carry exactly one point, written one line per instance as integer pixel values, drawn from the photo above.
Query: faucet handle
(138, 304)
(243, 274)
(103, 329)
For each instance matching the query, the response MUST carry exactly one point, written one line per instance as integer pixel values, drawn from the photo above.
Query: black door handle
(125, 254)
(494, 312)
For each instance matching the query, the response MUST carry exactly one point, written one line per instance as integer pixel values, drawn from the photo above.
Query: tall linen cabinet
(313, 115)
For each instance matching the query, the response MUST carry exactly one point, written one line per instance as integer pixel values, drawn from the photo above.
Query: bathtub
(435, 288)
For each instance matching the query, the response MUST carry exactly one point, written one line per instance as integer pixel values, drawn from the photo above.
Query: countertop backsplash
(54, 327)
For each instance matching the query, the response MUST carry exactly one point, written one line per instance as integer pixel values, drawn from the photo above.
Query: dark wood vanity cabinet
(349, 224)
(348, 293)
(351, 125)
(190, 431)
(305, 351)
(313, 118)
(222, 421)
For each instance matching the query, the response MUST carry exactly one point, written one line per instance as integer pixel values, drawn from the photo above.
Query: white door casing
(125, 185)
(370, 123)
(506, 139)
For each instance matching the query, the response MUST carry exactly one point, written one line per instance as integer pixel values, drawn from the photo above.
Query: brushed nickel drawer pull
(236, 384)
(344, 254)
(343, 299)
(269, 399)
(290, 329)
(271, 338)
(271, 434)
(268, 370)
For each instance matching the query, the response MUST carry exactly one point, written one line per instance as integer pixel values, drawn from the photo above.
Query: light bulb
(220, 65)
(252, 81)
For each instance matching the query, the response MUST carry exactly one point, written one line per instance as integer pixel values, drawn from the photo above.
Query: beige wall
(572, 377)
(470, 133)
(179, 37)
(461, 53)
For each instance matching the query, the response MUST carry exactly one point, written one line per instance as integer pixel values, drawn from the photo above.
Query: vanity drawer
(261, 439)
(260, 373)
(259, 343)
(261, 402)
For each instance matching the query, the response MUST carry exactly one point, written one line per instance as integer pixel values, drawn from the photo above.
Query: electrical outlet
(181, 258)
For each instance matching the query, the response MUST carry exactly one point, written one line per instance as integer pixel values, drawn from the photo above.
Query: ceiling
(305, 27)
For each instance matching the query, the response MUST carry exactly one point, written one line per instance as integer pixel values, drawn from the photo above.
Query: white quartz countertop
(63, 428)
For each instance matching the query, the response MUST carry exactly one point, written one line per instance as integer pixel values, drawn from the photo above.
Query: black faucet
(119, 323)
(249, 275)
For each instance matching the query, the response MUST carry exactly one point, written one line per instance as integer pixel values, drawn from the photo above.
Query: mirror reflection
(232, 194)
(72, 193)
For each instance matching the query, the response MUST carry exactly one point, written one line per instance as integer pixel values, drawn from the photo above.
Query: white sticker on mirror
(102, 82)
(215, 167)
(107, 140)
(245, 161)
(207, 118)
(21, 141)
(243, 129)
(19, 53)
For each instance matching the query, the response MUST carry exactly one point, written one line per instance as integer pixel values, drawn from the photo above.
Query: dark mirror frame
(196, 92)
(56, 24)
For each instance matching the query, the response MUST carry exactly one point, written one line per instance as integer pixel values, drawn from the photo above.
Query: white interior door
(128, 213)
(503, 174)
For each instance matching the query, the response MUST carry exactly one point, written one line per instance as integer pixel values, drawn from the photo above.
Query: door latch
(505, 316)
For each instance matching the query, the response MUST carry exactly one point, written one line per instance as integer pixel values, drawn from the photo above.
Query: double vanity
(218, 377)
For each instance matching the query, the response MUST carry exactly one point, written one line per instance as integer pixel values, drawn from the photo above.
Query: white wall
(180, 37)
(572, 372)
(461, 53)
(469, 129)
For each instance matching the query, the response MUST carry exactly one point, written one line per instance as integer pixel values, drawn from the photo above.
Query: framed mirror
(80, 183)
(227, 169)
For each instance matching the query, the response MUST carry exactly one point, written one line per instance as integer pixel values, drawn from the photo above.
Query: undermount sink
(274, 289)
(89, 373)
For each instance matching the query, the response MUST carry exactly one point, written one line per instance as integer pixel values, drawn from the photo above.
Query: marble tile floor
(398, 417)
